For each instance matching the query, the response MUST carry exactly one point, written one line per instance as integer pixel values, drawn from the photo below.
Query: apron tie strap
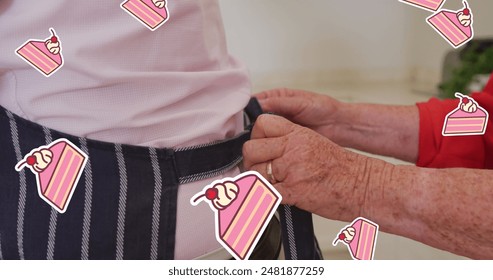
(298, 236)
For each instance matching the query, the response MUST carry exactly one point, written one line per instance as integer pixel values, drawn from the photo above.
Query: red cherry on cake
(31, 160)
(465, 100)
(53, 38)
(342, 236)
(211, 193)
(466, 11)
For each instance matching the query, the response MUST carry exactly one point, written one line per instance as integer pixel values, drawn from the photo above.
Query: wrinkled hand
(311, 172)
(308, 109)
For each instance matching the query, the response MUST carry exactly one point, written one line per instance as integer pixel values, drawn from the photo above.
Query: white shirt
(173, 87)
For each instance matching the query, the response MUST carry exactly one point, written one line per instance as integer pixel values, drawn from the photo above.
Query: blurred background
(379, 51)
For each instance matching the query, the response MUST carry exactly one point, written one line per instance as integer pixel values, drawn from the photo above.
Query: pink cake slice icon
(360, 237)
(152, 13)
(468, 119)
(44, 56)
(58, 168)
(432, 5)
(454, 26)
(244, 206)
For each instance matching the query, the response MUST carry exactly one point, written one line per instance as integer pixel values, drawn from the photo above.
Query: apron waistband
(191, 163)
(124, 204)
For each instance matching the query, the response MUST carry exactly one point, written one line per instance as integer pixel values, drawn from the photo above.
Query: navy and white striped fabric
(124, 206)
(299, 240)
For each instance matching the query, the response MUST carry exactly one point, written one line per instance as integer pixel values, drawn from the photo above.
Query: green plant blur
(473, 63)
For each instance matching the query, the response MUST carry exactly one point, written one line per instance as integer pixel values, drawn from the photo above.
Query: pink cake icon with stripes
(243, 207)
(454, 26)
(151, 13)
(360, 237)
(45, 56)
(431, 5)
(468, 119)
(58, 168)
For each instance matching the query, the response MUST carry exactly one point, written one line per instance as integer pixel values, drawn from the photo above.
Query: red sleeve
(438, 151)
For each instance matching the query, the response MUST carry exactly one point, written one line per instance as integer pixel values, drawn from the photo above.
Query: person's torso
(120, 81)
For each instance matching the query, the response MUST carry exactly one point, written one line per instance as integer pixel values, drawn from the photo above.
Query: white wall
(292, 42)
(344, 45)
(429, 48)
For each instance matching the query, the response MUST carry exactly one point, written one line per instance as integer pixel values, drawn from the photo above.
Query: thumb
(270, 126)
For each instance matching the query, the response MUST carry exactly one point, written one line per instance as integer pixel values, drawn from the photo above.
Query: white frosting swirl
(53, 48)
(43, 159)
(465, 20)
(349, 233)
(159, 3)
(226, 194)
(470, 107)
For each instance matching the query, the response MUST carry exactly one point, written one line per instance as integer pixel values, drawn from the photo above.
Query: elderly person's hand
(377, 129)
(309, 170)
(315, 111)
(444, 208)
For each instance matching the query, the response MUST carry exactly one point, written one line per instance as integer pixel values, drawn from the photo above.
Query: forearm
(379, 129)
(449, 209)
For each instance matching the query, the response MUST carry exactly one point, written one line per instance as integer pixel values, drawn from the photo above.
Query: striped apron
(125, 203)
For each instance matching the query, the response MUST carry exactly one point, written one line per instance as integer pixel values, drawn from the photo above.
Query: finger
(262, 150)
(278, 170)
(269, 126)
(263, 95)
(286, 193)
(261, 168)
(273, 93)
(278, 92)
(287, 107)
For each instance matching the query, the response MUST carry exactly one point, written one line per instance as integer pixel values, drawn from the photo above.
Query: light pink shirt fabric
(173, 87)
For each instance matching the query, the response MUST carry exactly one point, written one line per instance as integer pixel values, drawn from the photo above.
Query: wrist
(375, 181)
(394, 200)
(342, 126)
(336, 125)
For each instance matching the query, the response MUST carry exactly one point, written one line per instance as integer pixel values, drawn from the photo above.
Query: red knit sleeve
(438, 151)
